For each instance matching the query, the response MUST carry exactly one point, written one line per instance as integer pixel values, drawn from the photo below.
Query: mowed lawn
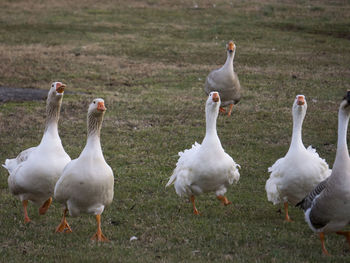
(149, 60)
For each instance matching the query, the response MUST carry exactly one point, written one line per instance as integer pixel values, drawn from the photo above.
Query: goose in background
(225, 81)
(35, 171)
(205, 167)
(86, 184)
(327, 207)
(300, 170)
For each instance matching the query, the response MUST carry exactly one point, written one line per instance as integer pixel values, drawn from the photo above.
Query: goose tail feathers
(272, 191)
(10, 164)
(171, 180)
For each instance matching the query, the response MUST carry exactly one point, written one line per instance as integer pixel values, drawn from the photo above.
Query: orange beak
(216, 97)
(300, 100)
(231, 46)
(101, 106)
(60, 87)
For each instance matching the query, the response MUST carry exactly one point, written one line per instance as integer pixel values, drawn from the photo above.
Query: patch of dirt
(25, 94)
(21, 94)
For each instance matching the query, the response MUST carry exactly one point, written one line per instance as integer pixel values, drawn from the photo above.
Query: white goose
(86, 184)
(205, 167)
(327, 207)
(297, 173)
(35, 171)
(225, 81)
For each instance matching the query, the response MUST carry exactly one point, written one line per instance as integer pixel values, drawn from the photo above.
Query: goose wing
(307, 201)
(12, 164)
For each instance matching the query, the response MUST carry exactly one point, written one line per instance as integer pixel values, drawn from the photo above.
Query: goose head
(57, 88)
(213, 102)
(299, 107)
(56, 92)
(230, 47)
(97, 107)
(53, 103)
(95, 115)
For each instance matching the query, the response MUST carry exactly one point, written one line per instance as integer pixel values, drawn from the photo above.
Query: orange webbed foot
(43, 209)
(224, 200)
(195, 211)
(63, 227)
(99, 237)
(27, 220)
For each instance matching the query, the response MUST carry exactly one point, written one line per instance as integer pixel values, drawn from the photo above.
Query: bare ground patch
(21, 94)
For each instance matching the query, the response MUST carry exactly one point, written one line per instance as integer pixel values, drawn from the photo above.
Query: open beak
(101, 106)
(60, 88)
(300, 100)
(216, 97)
(231, 47)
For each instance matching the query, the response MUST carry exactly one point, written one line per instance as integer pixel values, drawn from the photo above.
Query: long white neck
(52, 117)
(297, 142)
(229, 60)
(211, 135)
(342, 147)
(93, 143)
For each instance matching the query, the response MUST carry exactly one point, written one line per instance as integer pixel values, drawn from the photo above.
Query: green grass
(149, 60)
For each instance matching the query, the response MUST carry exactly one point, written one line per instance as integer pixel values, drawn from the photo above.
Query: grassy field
(149, 60)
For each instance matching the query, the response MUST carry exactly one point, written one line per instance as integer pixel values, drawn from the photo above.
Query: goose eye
(94, 102)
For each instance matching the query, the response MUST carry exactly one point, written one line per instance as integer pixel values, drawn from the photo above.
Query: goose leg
(99, 236)
(287, 218)
(63, 226)
(324, 250)
(45, 206)
(195, 211)
(346, 234)
(25, 204)
(230, 110)
(224, 200)
(222, 110)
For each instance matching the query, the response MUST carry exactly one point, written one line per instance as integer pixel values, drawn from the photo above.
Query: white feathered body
(295, 175)
(87, 183)
(301, 170)
(204, 168)
(35, 171)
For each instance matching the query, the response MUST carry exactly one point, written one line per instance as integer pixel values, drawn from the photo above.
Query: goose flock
(86, 184)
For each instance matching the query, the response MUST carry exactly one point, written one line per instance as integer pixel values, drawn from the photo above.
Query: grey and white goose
(225, 81)
(327, 207)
